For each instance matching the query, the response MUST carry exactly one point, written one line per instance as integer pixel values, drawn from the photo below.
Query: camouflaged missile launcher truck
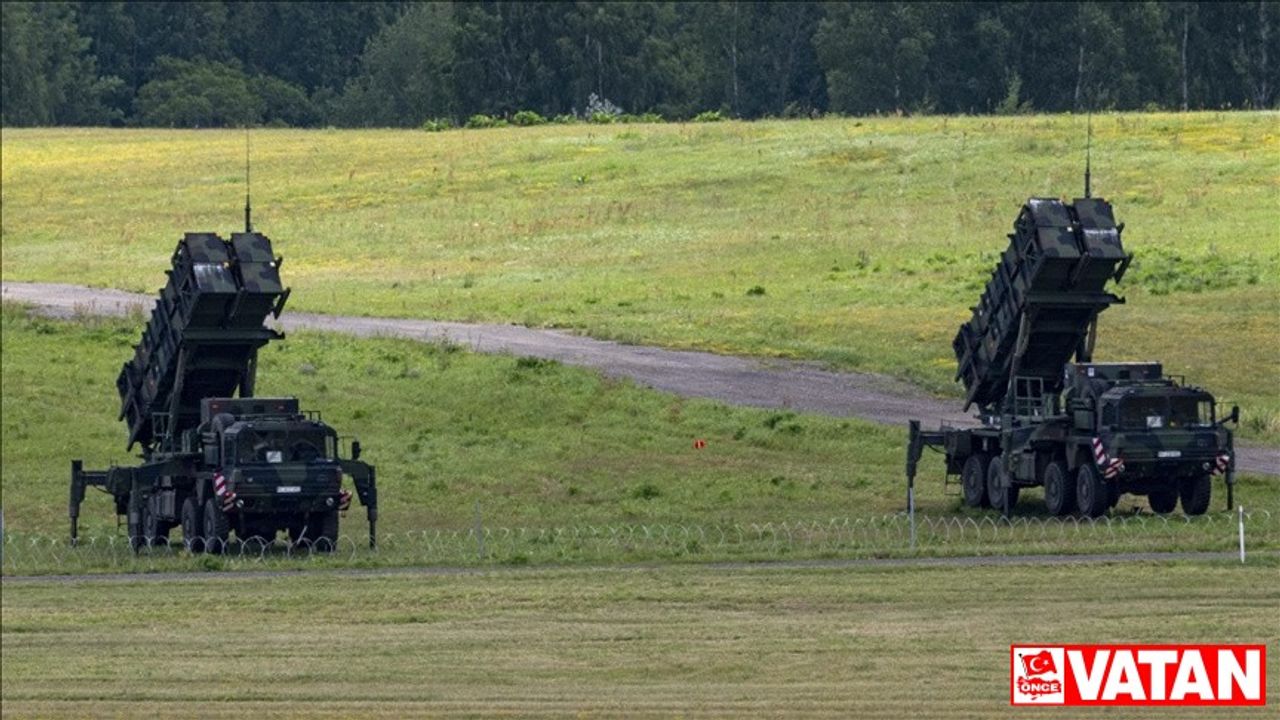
(1087, 432)
(213, 463)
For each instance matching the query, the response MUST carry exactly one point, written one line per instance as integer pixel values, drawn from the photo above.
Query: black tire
(1059, 495)
(327, 540)
(1196, 493)
(137, 530)
(154, 532)
(192, 526)
(1092, 495)
(973, 480)
(1002, 494)
(1162, 502)
(217, 528)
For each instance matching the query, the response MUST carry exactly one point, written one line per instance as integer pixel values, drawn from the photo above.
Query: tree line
(353, 64)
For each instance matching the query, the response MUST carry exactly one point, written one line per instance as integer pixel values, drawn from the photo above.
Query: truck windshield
(1190, 412)
(277, 447)
(1154, 413)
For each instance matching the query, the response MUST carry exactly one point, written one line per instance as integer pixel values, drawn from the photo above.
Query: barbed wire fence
(849, 537)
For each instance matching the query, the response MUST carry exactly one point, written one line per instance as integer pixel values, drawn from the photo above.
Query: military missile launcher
(216, 459)
(1047, 414)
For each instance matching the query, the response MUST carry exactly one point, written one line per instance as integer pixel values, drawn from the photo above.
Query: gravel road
(794, 385)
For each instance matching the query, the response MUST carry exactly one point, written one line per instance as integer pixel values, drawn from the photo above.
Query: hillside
(857, 242)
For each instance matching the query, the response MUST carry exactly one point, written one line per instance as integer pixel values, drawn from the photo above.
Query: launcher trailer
(213, 462)
(1086, 432)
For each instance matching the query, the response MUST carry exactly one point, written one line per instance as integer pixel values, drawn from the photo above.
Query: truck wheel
(1091, 494)
(327, 522)
(154, 532)
(1195, 494)
(1059, 496)
(216, 527)
(192, 526)
(973, 480)
(1002, 495)
(1162, 502)
(138, 532)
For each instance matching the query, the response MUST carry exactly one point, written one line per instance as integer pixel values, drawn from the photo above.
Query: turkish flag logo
(1039, 664)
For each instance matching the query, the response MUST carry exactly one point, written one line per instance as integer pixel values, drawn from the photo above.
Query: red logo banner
(1147, 675)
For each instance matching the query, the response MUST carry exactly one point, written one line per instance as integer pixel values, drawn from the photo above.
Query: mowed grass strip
(693, 642)
(858, 242)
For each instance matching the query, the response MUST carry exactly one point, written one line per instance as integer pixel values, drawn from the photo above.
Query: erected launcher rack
(217, 459)
(1049, 415)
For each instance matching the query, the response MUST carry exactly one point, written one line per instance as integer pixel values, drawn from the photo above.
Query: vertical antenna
(248, 222)
(1088, 149)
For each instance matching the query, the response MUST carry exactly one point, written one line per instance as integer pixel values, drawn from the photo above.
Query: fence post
(479, 532)
(913, 429)
(911, 511)
(1240, 513)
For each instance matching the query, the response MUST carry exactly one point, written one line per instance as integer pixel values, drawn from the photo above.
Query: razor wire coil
(884, 535)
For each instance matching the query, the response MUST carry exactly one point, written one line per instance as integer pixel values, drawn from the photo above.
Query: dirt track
(794, 385)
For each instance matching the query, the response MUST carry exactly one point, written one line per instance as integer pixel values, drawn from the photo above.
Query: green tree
(756, 58)
(509, 57)
(48, 76)
(614, 51)
(1149, 69)
(282, 103)
(406, 74)
(876, 56)
(782, 74)
(398, 63)
(112, 36)
(188, 93)
(308, 45)
(1256, 52)
(971, 68)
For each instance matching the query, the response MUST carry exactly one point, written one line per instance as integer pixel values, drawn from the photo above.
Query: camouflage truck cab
(1087, 432)
(1160, 437)
(213, 462)
(273, 468)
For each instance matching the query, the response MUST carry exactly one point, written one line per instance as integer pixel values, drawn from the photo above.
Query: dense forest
(202, 64)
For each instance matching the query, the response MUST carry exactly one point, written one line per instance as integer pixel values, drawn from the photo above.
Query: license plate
(289, 489)
(1169, 454)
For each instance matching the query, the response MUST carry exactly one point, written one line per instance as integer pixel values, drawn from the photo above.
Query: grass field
(683, 642)
(538, 446)
(857, 242)
(536, 443)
